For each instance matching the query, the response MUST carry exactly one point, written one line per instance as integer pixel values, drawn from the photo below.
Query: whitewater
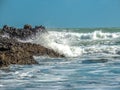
(73, 44)
(92, 62)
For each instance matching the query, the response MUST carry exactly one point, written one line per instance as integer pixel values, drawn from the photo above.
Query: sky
(60, 13)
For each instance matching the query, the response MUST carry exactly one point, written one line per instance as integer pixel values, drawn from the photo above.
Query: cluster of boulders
(14, 52)
(23, 33)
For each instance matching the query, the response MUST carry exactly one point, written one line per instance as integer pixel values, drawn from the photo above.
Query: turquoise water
(92, 62)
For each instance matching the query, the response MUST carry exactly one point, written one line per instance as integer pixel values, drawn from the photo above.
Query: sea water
(92, 62)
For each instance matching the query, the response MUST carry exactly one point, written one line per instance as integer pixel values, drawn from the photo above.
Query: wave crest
(73, 44)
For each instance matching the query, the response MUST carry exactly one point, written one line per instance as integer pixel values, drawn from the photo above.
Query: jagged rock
(14, 52)
(24, 33)
(26, 26)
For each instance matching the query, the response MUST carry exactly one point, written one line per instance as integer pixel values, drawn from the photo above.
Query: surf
(77, 44)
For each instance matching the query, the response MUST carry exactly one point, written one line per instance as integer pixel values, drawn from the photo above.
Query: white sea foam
(73, 44)
(6, 35)
(53, 41)
(70, 73)
(1, 85)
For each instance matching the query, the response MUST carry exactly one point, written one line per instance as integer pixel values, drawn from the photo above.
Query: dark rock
(24, 33)
(27, 26)
(4, 48)
(14, 52)
(5, 27)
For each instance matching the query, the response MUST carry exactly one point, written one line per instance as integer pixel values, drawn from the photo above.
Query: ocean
(92, 62)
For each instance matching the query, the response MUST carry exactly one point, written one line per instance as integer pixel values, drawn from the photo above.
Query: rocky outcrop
(24, 33)
(14, 52)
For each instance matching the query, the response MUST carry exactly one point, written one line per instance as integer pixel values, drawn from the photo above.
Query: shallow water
(92, 63)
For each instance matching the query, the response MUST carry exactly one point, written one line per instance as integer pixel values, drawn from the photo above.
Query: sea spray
(51, 42)
(96, 67)
(74, 44)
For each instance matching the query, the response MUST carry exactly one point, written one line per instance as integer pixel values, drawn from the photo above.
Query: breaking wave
(75, 44)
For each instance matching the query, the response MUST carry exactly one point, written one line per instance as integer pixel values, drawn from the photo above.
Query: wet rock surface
(14, 52)
(24, 33)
